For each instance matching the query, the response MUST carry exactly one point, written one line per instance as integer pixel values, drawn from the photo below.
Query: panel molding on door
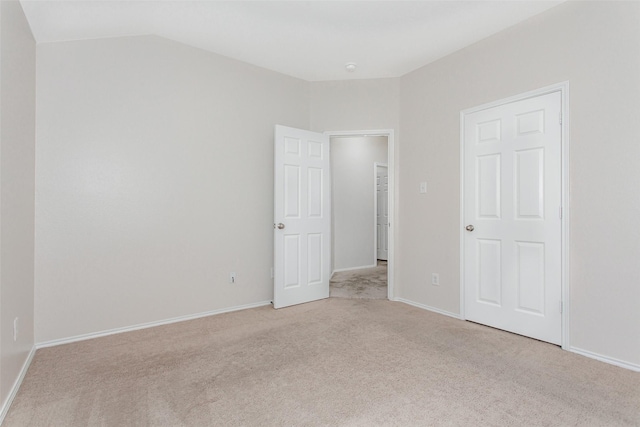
(512, 193)
(302, 239)
(381, 173)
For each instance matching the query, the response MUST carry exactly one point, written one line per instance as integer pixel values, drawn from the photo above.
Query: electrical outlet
(435, 279)
(15, 329)
(232, 277)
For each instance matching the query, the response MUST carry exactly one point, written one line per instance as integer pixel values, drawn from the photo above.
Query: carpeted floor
(370, 283)
(335, 362)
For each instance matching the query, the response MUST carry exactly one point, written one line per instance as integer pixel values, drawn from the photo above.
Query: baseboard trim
(606, 359)
(429, 308)
(362, 267)
(589, 354)
(16, 385)
(93, 335)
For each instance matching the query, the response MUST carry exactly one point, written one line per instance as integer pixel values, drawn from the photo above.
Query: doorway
(302, 213)
(356, 159)
(381, 211)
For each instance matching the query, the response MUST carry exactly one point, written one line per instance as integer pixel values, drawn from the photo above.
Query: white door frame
(375, 208)
(563, 88)
(389, 133)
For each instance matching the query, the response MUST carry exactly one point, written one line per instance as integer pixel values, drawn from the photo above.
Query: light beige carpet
(335, 362)
(370, 283)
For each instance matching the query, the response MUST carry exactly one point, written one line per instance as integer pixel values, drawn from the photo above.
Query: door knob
(469, 227)
(280, 226)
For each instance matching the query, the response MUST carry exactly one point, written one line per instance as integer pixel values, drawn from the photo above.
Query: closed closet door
(512, 212)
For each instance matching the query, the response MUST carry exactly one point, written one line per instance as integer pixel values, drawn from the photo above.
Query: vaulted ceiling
(311, 40)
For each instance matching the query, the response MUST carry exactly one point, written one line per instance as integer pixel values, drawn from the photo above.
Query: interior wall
(354, 105)
(17, 163)
(352, 160)
(596, 47)
(155, 181)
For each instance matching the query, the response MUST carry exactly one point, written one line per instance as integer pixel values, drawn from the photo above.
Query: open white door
(512, 214)
(302, 218)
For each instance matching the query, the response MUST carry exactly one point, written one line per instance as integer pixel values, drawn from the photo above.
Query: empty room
(286, 213)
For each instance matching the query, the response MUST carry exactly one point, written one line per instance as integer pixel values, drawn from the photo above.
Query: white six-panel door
(382, 212)
(302, 227)
(512, 214)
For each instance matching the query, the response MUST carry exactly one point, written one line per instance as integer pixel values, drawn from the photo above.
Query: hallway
(367, 283)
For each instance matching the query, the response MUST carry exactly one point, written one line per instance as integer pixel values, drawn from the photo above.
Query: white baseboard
(16, 385)
(606, 359)
(148, 325)
(362, 267)
(600, 357)
(426, 307)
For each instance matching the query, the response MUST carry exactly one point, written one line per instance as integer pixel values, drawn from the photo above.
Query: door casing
(563, 88)
(389, 133)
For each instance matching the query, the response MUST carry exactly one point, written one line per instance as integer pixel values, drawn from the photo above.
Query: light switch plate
(423, 187)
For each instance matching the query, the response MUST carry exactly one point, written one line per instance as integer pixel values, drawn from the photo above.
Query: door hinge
(561, 307)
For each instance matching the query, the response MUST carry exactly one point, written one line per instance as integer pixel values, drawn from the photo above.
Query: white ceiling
(311, 40)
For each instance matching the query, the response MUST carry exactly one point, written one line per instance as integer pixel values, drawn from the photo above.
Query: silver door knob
(469, 227)
(280, 226)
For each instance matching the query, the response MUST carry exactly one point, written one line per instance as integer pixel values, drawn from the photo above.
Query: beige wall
(354, 105)
(352, 197)
(155, 177)
(155, 181)
(17, 145)
(596, 47)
